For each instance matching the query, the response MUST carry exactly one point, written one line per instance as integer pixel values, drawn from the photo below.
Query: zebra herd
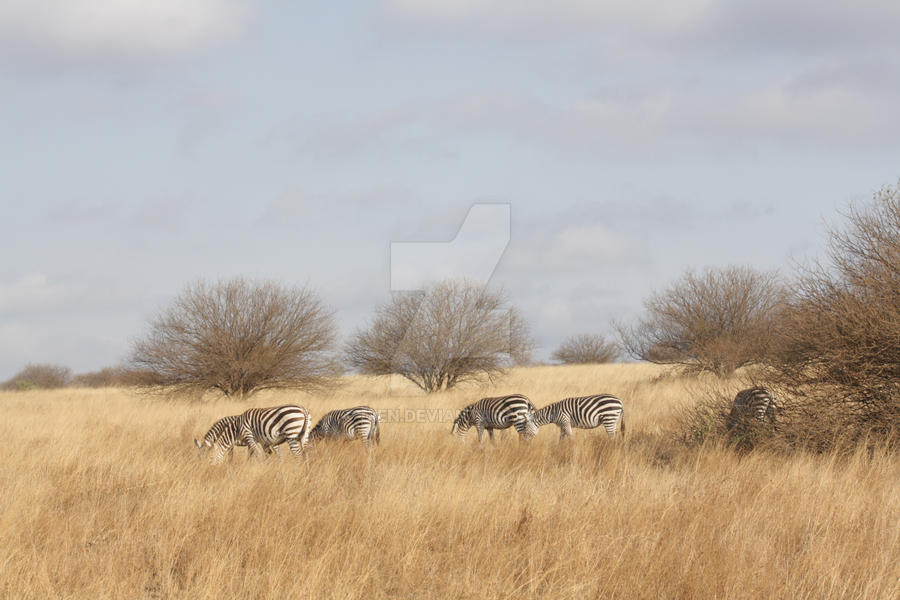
(262, 430)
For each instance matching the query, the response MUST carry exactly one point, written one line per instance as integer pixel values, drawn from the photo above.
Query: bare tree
(238, 338)
(586, 348)
(39, 376)
(839, 347)
(454, 331)
(718, 320)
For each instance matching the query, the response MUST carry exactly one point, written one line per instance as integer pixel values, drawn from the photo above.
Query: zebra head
(527, 427)
(542, 417)
(317, 433)
(210, 448)
(462, 423)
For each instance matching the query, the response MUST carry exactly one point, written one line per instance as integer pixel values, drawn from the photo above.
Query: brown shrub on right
(838, 351)
(718, 320)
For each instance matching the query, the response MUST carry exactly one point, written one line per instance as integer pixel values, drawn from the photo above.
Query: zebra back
(585, 412)
(498, 412)
(359, 422)
(759, 402)
(275, 425)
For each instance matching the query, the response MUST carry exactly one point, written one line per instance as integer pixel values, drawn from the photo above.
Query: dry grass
(102, 496)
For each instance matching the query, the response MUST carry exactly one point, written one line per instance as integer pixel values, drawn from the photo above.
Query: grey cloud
(86, 30)
(724, 26)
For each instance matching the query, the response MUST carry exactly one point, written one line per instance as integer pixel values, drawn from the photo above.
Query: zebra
(497, 413)
(759, 402)
(273, 426)
(359, 422)
(223, 436)
(585, 412)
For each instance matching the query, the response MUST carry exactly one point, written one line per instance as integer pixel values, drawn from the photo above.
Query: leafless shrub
(586, 348)
(238, 338)
(105, 377)
(454, 331)
(712, 418)
(839, 344)
(718, 321)
(39, 376)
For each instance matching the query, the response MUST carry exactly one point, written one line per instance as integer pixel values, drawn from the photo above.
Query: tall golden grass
(102, 495)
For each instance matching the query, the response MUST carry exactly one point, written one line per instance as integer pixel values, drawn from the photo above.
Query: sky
(145, 145)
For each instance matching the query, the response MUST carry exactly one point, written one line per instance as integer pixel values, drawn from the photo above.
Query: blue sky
(145, 145)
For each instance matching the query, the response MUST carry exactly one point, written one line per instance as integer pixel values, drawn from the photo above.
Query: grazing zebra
(586, 412)
(273, 426)
(497, 413)
(223, 436)
(759, 402)
(359, 422)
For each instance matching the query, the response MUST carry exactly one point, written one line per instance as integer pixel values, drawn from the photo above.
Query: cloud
(591, 244)
(613, 124)
(571, 250)
(131, 28)
(526, 14)
(833, 114)
(800, 26)
(31, 293)
(36, 294)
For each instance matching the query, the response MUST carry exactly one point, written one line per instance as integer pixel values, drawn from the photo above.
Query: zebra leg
(490, 431)
(565, 428)
(218, 454)
(296, 448)
(480, 428)
(252, 444)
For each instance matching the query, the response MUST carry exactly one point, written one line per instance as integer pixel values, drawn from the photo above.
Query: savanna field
(103, 495)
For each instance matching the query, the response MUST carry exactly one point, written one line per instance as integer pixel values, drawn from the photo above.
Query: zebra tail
(377, 432)
(622, 421)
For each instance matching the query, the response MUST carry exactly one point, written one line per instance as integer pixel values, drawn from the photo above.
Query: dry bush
(105, 377)
(586, 349)
(39, 376)
(839, 345)
(452, 332)
(717, 321)
(711, 419)
(123, 508)
(238, 338)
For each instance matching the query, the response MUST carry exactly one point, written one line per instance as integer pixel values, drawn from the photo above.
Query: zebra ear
(198, 444)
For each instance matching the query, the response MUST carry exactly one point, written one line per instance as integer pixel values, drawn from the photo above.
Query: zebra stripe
(359, 422)
(497, 413)
(585, 412)
(758, 402)
(273, 426)
(223, 436)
